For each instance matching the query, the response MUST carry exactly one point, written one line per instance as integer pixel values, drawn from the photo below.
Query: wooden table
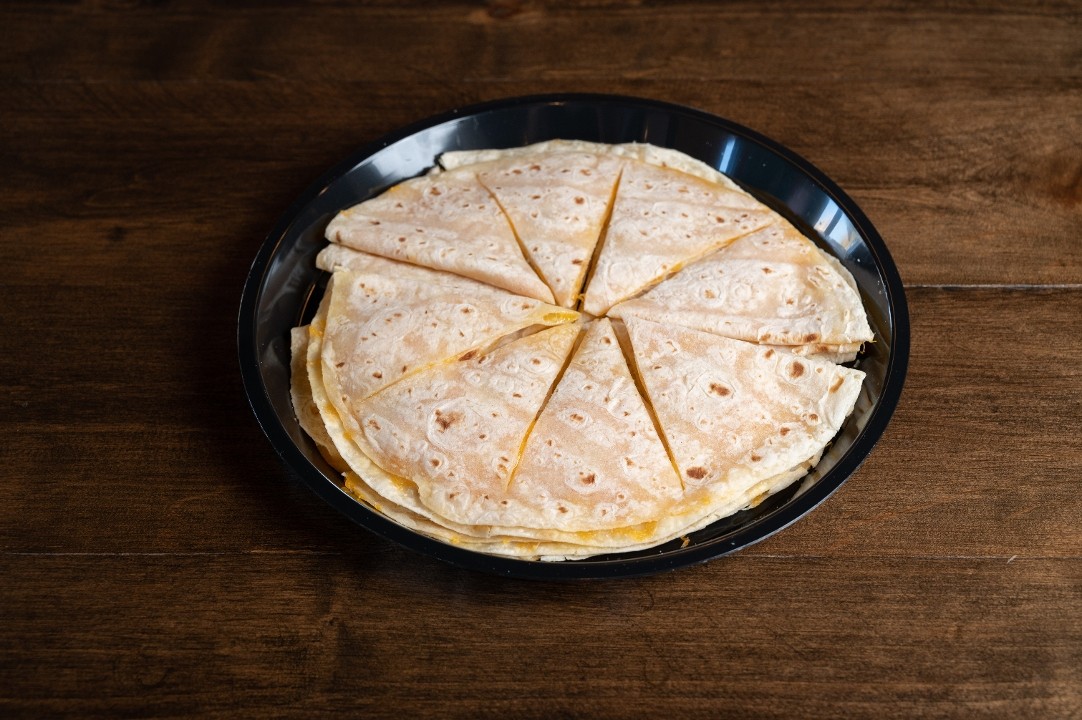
(157, 560)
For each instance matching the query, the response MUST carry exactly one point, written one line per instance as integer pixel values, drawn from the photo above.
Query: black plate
(284, 284)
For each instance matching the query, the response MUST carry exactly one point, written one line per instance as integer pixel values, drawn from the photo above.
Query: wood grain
(771, 637)
(158, 560)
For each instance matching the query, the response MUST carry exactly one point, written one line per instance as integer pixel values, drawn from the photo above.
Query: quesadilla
(643, 152)
(447, 222)
(300, 392)
(379, 328)
(733, 412)
(448, 382)
(557, 204)
(339, 257)
(594, 460)
(661, 220)
(457, 429)
(773, 286)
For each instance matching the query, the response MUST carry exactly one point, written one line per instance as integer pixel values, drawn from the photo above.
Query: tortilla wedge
(557, 204)
(594, 460)
(456, 429)
(663, 219)
(643, 152)
(399, 497)
(379, 327)
(773, 286)
(735, 413)
(446, 221)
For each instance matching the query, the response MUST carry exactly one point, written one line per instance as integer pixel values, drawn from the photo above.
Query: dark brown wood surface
(157, 560)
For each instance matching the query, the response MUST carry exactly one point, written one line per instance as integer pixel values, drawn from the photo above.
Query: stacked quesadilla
(572, 349)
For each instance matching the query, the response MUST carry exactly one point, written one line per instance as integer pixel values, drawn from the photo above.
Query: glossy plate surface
(284, 286)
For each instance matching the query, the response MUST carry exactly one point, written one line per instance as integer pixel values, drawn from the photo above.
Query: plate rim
(296, 461)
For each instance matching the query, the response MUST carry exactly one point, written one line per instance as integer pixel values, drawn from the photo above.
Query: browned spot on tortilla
(813, 417)
(401, 239)
(434, 462)
(446, 421)
(589, 479)
(709, 294)
(516, 394)
(796, 370)
(719, 389)
(562, 509)
(535, 361)
(811, 337)
(765, 337)
(377, 375)
(482, 436)
(789, 301)
(629, 461)
(698, 473)
(577, 261)
(580, 200)
(769, 353)
(576, 417)
(404, 368)
(466, 311)
(373, 424)
(435, 191)
(767, 271)
(469, 355)
(607, 340)
(340, 364)
(535, 167)
(837, 384)
(719, 219)
(756, 458)
(783, 431)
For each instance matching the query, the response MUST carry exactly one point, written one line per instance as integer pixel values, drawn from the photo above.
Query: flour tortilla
(456, 430)
(557, 204)
(400, 499)
(773, 286)
(381, 327)
(594, 460)
(446, 222)
(511, 542)
(547, 550)
(300, 392)
(402, 495)
(339, 257)
(643, 152)
(457, 159)
(734, 413)
(663, 219)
